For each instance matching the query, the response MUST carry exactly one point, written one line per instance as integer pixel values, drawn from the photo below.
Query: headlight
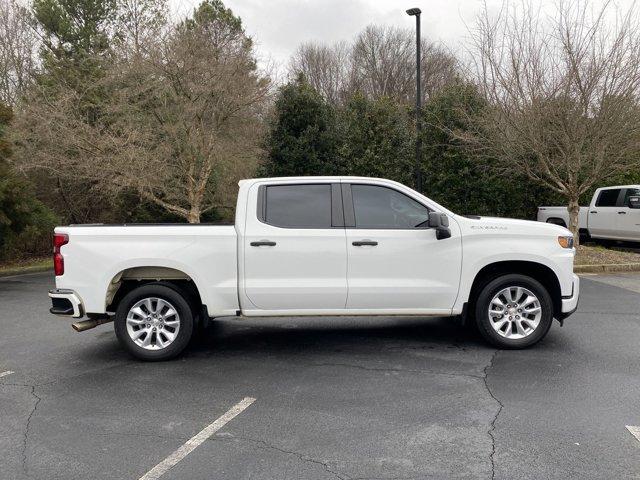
(566, 241)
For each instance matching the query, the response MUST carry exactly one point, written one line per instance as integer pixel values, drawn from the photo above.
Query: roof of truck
(310, 177)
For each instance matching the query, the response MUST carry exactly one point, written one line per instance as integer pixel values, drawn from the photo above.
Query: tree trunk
(574, 210)
(194, 215)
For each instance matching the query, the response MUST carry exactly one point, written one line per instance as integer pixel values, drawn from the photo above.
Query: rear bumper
(66, 303)
(570, 303)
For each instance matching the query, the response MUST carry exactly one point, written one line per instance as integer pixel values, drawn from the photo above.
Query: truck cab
(611, 215)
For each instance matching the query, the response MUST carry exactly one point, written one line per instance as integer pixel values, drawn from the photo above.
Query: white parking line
(196, 440)
(4, 374)
(635, 431)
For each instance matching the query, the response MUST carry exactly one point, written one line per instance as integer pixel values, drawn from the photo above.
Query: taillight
(59, 239)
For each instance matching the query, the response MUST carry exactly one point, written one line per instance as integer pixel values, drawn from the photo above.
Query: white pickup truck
(316, 246)
(614, 214)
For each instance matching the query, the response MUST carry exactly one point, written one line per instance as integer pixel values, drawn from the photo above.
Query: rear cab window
(316, 206)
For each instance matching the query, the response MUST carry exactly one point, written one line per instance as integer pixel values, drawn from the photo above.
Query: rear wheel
(514, 311)
(154, 322)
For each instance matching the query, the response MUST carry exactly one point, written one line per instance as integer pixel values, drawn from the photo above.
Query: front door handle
(263, 243)
(593, 211)
(622, 213)
(362, 243)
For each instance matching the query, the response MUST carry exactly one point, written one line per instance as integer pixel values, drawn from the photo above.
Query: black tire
(584, 236)
(484, 300)
(605, 243)
(172, 296)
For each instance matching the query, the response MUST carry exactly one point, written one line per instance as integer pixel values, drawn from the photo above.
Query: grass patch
(17, 267)
(598, 255)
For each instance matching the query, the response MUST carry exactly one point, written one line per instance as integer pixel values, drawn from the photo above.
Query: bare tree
(18, 51)
(326, 68)
(139, 23)
(383, 60)
(563, 94)
(180, 125)
(379, 63)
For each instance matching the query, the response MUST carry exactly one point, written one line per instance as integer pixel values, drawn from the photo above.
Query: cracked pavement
(492, 426)
(342, 398)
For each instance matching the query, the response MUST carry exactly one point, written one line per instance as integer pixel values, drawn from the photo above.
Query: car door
(395, 261)
(603, 216)
(628, 219)
(295, 255)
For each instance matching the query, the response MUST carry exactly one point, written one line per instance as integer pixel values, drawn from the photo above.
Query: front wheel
(514, 311)
(154, 322)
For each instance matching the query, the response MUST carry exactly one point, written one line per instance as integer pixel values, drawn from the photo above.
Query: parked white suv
(316, 246)
(614, 214)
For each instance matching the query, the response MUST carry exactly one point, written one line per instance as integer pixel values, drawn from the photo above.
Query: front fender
(542, 251)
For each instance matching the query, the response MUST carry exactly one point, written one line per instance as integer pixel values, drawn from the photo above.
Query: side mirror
(440, 222)
(634, 202)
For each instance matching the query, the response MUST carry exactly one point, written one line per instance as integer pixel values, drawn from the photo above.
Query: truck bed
(557, 214)
(98, 257)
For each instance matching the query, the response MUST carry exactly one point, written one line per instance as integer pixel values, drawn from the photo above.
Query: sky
(279, 26)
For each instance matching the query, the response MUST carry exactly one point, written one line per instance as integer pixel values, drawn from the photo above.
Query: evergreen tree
(76, 38)
(376, 140)
(303, 136)
(465, 181)
(213, 14)
(25, 223)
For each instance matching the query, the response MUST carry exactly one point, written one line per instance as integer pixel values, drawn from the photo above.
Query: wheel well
(557, 221)
(537, 271)
(132, 278)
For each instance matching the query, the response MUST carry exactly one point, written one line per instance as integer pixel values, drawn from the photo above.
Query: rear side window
(382, 207)
(298, 206)
(608, 198)
(631, 192)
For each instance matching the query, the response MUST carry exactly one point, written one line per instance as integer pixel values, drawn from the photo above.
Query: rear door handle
(362, 243)
(263, 243)
(622, 213)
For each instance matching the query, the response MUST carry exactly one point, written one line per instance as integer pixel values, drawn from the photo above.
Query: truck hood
(512, 226)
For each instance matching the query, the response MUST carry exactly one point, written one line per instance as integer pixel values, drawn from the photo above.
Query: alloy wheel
(515, 312)
(153, 323)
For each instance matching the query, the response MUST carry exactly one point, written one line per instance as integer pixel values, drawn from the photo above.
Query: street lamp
(415, 12)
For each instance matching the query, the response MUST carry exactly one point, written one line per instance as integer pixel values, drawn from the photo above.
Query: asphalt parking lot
(341, 398)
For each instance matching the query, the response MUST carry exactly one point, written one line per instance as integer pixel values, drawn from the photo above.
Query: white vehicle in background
(323, 246)
(614, 214)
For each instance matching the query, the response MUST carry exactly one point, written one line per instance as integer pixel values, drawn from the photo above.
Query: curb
(24, 270)
(608, 268)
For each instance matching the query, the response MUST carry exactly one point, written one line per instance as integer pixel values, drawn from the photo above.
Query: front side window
(298, 206)
(381, 207)
(608, 198)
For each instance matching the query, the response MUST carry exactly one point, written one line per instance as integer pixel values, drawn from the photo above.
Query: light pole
(415, 12)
